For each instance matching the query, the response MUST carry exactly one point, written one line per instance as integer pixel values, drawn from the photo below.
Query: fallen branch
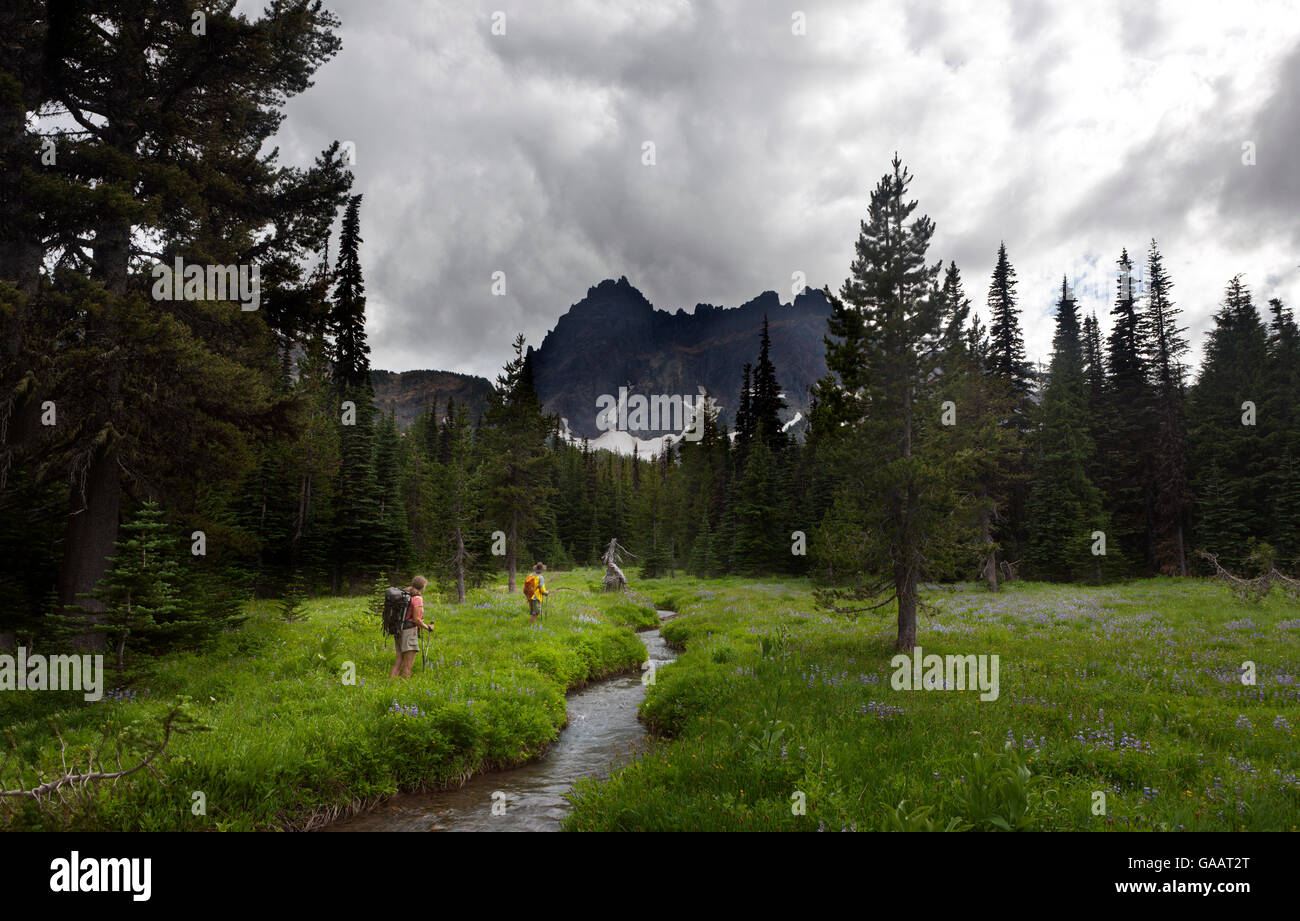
(866, 610)
(177, 720)
(1253, 590)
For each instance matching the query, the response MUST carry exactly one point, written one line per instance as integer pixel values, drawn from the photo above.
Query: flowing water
(602, 735)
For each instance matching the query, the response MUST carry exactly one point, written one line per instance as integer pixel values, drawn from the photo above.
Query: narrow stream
(602, 736)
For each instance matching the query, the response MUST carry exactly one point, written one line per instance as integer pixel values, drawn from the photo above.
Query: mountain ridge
(615, 337)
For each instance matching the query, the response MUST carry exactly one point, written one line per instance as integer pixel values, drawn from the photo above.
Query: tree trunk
(905, 586)
(989, 563)
(905, 571)
(88, 543)
(511, 562)
(92, 528)
(460, 566)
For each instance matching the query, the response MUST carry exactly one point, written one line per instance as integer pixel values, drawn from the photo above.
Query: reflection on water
(602, 735)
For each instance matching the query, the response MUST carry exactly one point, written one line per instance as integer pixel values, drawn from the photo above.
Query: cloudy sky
(1070, 130)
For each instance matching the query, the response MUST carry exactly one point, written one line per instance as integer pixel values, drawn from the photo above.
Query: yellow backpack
(530, 585)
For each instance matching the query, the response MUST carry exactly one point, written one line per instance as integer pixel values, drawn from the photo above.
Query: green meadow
(286, 744)
(1119, 708)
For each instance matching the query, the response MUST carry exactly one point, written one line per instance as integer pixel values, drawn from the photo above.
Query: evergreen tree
(895, 498)
(142, 591)
(1005, 361)
(515, 433)
(984, 450)
(745, 414)
(1286, 510)
(392, 539)
(1280, 428)
(1229, 468)
(1172, 495)
(348, 319)
(651, 527)
(1128, 421)
(358, 518)
(1094, 365)
(146, 176)
(767, 402)
(758, 519)
(955, 310)
(1064, 505)
(1006, 356)
(461, 488)
(313, 461)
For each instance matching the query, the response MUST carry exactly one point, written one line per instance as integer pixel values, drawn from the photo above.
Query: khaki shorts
(534, 607)
(408, 640)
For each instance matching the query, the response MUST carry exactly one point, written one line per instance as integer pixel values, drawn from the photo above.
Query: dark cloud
(521, 153)
(1265, 198)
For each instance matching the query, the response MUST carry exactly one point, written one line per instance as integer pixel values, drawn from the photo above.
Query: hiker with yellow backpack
(535, 591)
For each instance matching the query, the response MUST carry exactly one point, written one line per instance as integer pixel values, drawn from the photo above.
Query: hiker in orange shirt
(535, 591)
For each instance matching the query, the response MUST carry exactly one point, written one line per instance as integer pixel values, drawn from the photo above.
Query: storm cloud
(1068, 130)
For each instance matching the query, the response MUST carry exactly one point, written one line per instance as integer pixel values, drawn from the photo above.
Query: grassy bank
(1131, 691)
(290, 743)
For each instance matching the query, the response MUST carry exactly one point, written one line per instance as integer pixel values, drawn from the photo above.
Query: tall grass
(291, 744)
(1126, 698)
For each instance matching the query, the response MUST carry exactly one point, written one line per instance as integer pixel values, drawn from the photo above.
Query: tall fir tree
(881, 412)
(745, 413)
(1280, 428)
(1127, 424)
(1064, 505)
(767, 402)
(1228, 462)
(1006, 356)
(1006, 362)
(516, 476)
(1165, 348)
(348, 319)
(146, 177)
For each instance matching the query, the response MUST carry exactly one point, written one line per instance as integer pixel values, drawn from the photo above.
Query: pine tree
(141, 592)
(1064, 505)
(1005, 362)
(1286, 510)
(895, 501)
(1280, 428)
(348, 319)
(313, 461)
(758, 520)
(1222, 527)
(745, 414)
(354, 556)
(515, 433)
(1167, 345)
(1172, 495)
(1128, 422)
(983, 448)
(392, 539)
(1006, 356)
(955, 309)
(767, 402)
(1228, 462)
(162, 158)
(651, 527)
(1094, 365)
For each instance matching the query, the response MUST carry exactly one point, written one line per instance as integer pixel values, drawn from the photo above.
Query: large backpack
(530, 585)
(396, 603)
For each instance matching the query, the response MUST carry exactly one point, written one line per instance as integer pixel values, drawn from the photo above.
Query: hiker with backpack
(535, 591)
(404, 619)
